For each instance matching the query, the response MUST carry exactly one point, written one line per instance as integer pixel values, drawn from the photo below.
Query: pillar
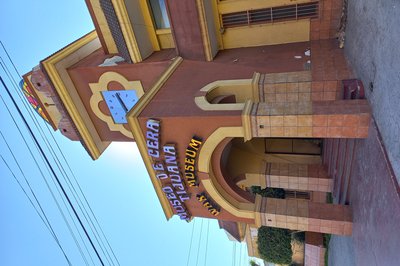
(304, 215)
(325, 119)
(298, 177)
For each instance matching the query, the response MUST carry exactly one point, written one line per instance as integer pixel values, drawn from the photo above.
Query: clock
(119, 102)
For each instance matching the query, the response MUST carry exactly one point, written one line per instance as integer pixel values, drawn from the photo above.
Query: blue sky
(117, 185)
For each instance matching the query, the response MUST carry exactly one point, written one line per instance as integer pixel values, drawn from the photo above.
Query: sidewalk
(373, 193)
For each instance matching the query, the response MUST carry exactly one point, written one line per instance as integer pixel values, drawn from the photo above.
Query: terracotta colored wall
(82, 75)
(179, 131)
(185, 26)
(326, 26)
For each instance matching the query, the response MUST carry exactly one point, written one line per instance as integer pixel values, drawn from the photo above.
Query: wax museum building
(219, 95)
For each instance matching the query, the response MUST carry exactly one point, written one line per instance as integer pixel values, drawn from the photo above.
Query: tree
(253, 263)
(269, 192)
(274, 245)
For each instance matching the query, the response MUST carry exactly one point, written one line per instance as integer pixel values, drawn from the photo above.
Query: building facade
(220, 96)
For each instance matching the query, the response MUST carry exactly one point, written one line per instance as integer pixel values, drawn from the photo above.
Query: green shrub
(299, 236)
(274, 245)
(269, 192)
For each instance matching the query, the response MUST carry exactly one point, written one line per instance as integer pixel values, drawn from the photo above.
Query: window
(269, 15)
(295, 194)
(160, 15)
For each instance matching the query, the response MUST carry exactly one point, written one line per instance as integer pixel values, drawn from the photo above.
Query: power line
(191, 241)
(44, 217)
(62, 170)
(43, 177)
(77, 198)
(201, 233)
(53, 172)
(208, 230)
(59, 165)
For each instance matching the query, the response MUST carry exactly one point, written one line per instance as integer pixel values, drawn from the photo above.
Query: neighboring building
(219, 96)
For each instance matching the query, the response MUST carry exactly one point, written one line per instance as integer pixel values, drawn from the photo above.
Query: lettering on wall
(213, 208)
(190, 161)
(166, 166)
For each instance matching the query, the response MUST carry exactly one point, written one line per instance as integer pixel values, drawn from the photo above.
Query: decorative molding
(96, 98)
(55, 68)
(204, 30)
(246, 120)
(127, 30)
(103, 26)
(140, 139)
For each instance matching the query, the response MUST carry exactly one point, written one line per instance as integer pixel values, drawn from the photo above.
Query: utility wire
(33, 118)
(234, 254)
(208, 230)
(53, 172)
(85, 199)
(46, 182)
(191, 241)
(44, 219)
(30, 111)
(198, 250)
(90, 220)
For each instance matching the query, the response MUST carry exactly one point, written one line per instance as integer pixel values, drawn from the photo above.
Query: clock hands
(121, 102)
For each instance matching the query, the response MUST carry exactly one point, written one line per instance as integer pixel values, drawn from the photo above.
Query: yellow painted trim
(155, 88)
(163, 31)
(141, 140)
(257, 211)
(49, 65)
(242, 230)
(246, 120)
(217, 24)
(127, 30)
(212, 142)
(203, 104)
(96, 97)
(144, 6)
(103, 26)
(239, 211)
(254, 85)
(204, 30)
(165, 38)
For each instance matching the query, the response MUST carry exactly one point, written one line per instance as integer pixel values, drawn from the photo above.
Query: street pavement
(373, 49)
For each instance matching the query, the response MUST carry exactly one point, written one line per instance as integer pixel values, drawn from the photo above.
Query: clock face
(119, 103)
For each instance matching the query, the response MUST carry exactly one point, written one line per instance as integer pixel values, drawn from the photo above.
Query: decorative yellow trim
(257, 210)
(203, 104)
(93, 143)
(246, 121)
(163, 31)
(144, 6)
(140, 138)
(155, 88)
(204, 30)
(212, 142)
(127, 30)
(254, 85)
(226, 86)
(217, 24)
(102, 85)
(103, 27)
(165, 38)
(241, 210)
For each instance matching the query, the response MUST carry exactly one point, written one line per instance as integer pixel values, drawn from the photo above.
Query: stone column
(322, 119)
(298, 177)
(304, 215)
